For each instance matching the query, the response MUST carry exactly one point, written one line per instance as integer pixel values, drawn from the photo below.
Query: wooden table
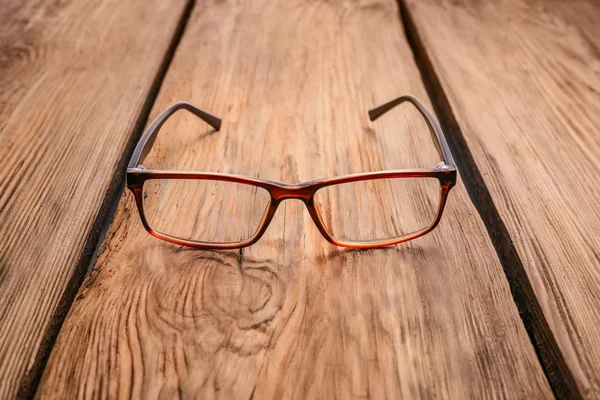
(501, 300)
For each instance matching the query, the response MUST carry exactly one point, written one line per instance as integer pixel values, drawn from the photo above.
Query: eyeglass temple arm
(434, 128)
(147, 140)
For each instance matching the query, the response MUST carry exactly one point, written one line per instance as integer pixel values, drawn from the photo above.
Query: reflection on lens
(378, 209)
(204, 210)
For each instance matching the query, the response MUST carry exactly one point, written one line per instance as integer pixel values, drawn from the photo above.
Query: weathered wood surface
(74, 76)
(522, 79)
(293, 316)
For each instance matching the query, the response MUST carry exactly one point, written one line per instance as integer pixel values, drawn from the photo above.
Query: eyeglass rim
(279, 191)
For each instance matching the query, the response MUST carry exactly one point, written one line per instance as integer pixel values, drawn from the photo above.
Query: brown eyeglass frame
(137, 174)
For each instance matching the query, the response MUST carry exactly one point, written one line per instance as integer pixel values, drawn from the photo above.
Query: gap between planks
(559, 376)
(30, 382)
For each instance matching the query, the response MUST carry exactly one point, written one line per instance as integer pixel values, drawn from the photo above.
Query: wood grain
(293, 316)
(74, 77)
(522, 81)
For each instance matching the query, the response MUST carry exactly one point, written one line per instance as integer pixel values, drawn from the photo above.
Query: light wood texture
(293, 316)
(74, 76)
(522, 79)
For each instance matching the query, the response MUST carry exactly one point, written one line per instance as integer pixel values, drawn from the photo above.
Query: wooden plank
(293, 316)
(521, 79)
(74, 80)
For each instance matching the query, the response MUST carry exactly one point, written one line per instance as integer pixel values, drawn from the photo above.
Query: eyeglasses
(223, 211)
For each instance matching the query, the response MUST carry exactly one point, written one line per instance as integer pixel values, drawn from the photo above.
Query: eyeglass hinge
(443, 165)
